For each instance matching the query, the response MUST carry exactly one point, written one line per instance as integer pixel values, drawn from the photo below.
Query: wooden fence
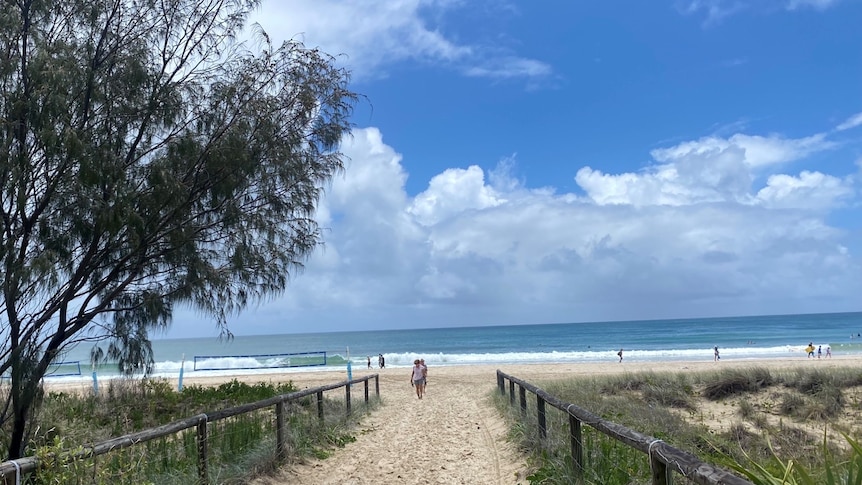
(17, 468)
(664, 459)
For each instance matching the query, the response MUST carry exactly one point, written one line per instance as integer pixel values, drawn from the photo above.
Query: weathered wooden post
(366, 392)
(660, 473)
(523, 392)
(347, 397)
(540, 406)
(501, 384)
(511, 392)
(377, 384)
(279, 431)
(577, 444)
(320, 405)
(203, 474)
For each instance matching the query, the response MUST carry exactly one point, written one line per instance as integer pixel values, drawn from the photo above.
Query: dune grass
(810, 418)
(239, 447)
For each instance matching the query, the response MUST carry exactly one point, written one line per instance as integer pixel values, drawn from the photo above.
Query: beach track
(454, 435)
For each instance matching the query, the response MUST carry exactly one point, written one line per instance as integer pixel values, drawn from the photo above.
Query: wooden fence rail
(664, 459)
(17, 468)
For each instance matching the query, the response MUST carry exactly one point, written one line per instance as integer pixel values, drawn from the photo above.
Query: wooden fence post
(347, 397)
(660, 473)
(577, 444)
(203, 473)
(279, 431)
(377, 384)
(366, 392)
(523, 393)
(540, 406)
(501, 384)
(512, 393)
(320, 406)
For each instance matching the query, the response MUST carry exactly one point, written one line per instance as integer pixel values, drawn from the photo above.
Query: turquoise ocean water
(758, 337)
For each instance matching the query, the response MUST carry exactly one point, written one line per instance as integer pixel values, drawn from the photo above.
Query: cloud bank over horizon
(714, 226)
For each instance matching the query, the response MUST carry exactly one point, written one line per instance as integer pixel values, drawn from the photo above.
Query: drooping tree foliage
(148, 160)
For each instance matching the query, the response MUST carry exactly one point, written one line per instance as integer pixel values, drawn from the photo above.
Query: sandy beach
(454, 434)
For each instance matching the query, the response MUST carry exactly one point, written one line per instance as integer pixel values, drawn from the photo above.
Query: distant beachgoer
(417, 378)
(810, 349)
(715, 356)
(369, 361)
(819, 352)
(424, 375)
(620, 354)
(380, 360)
(828, 351)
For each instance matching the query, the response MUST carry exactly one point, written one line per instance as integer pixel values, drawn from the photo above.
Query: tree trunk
(19, 428)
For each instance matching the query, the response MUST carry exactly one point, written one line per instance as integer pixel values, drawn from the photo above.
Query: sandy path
(453, 435)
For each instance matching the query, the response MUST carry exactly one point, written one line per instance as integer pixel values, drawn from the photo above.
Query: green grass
(239, 447)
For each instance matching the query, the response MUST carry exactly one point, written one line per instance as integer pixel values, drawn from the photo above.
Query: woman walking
(417, 378)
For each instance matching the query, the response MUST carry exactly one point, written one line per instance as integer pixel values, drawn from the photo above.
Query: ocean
(756, 337)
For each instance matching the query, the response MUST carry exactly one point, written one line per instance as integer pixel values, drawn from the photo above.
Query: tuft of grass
(673, 393)
(735, 381)
(626, 382)
(834, 471)
(745, 409)
(792, 405)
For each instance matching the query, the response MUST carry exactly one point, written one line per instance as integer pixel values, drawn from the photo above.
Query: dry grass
(732, 414)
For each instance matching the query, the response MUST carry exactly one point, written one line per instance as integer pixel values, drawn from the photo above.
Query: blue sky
(559, 161)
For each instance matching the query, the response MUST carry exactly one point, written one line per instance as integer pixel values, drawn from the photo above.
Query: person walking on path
(716, 357)
(417, 378)
(424, 375)
(620, 354)
(819, 351)
(828, 351)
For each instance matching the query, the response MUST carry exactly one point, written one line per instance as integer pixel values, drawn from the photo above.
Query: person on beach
(369, 360)
(620, 354)
(424, 375)
(381, 362)
(828, 351)
(715, 356)
(810, 349)
(417, 378)
(819, 352)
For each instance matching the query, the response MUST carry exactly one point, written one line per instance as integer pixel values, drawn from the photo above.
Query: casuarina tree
(149, 161)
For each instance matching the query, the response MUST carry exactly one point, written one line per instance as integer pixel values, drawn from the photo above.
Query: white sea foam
(406, 359)
(228, 365)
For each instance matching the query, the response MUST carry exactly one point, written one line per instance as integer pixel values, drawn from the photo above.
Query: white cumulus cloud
(690, 235)
(809, 191)
(711, 169)
(452, 192)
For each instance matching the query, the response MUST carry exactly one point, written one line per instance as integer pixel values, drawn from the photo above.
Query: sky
(519, 162)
